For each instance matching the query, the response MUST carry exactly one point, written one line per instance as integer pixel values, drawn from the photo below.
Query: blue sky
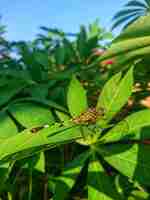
(24, 17)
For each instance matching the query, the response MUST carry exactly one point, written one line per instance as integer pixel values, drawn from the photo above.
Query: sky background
(24, 17)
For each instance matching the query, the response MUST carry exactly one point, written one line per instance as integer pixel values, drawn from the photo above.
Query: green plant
(96, 129)
(133, 10)
(33, 85)
(67, 129)
(105, 140)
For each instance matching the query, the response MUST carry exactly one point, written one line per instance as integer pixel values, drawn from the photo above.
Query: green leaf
(3, 81)
(134, 40)
(39, 91)
(51, 185)
(94, 29)
(115, 94)
(62, 116)
(131, 160)
(29, 59)
(40, 165)
(17, 75)
(129, 128)
(10, 90)
(35, 162)
(44, 102)
(76, 98)
(36, 71)
(108, 90)
(138, 195)
(81, 42)
(126, 46)
(130, 56)
(123, 184)
(60, 55)
(100, 186)
(139, 28)
(41, 57)
(70, 53)
(5, 170)
(68, 178)
(7, 128)
(27, 143)
(31, 115)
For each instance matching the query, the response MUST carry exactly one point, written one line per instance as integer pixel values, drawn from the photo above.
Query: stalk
(30, 185)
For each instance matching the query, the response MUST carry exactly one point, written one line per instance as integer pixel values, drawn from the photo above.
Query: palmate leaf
(131, 21)
(135, 6)
(129, 57)
(115, 94)
(129, 128)
(100, 185)
(27, 143)
(126, 18)
(76, 98)
(139, 28)
(126, 12)
(132, 160)
(147, 2)
(68, 178)
(126, 46)
(31, 115)
(136, 3)
(128, 41)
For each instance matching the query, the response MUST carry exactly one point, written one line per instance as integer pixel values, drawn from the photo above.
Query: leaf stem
(30, 185)
(9, 196)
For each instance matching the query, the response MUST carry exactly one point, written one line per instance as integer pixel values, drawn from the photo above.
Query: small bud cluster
(88, 117)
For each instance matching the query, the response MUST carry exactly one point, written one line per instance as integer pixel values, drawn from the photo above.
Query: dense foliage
(73, 121)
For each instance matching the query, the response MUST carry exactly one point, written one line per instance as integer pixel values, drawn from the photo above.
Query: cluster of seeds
(88, 117)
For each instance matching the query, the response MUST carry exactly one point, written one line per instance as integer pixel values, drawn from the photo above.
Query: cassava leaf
(126, 46)
(40, 164)
(27, 143)
(100, 185)
(31, 115)
(60, 55)
(10, 90)
(42, 101)
(138, 195)
(129, 127)
(139, 28)
(115, 94)
(76, 98)
(131, 160)
(68, 178)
